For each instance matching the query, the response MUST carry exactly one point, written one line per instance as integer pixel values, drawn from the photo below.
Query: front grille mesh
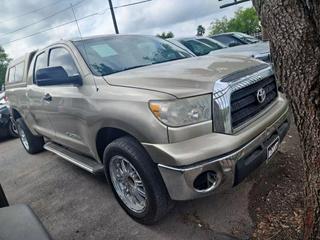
(244, 103)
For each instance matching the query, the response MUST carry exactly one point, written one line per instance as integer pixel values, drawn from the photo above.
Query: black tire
(158, 202)
(35, 143)
(13, 131)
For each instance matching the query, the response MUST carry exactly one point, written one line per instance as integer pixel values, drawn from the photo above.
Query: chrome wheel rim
(128, 184)
(23, 138)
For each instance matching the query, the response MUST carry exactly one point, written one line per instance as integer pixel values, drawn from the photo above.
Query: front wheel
(136, 181)
(32, 144)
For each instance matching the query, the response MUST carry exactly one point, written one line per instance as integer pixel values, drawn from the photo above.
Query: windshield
(211, 43)
(107, 55)
(197, 47)
(229, 40)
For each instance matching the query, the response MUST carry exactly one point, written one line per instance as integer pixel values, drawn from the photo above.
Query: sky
(19, 19)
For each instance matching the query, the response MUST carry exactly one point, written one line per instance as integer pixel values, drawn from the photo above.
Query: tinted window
(61, 57)
(11, 75)
(212, 44)
(228, 40)
(18, 77)
(198, 48)
(41, 62)
(109, 55)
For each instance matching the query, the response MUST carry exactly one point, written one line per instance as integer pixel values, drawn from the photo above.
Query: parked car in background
(161, 124)
(259, 50)
(199, 46)
(7, 127)
(232, 39)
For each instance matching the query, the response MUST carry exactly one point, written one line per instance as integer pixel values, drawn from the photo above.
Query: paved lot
(74, 204)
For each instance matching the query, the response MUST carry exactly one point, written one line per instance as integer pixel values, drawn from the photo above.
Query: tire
(157, 202)
(13, 131)
(31, 143)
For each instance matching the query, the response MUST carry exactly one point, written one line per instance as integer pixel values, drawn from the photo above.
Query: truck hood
(182, 78)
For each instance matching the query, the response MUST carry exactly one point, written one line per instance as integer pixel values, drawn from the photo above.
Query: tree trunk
(293, 28)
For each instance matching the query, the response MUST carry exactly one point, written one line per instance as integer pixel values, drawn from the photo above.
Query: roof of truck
(107, 35)
(77, 39)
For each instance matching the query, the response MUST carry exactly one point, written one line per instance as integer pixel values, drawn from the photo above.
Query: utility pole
(113, 17)
(235, 2)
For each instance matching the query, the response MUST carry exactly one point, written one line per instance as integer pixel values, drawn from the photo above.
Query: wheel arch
(106, 135)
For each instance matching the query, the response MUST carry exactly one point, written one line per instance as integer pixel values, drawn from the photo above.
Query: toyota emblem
(261, 95)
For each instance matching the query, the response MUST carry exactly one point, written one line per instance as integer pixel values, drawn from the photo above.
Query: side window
(61, 57)
(11, 75)
(18, 77)
(41, 62)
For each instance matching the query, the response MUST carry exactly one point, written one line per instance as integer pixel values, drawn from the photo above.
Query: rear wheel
(136, 181)
(33, 144)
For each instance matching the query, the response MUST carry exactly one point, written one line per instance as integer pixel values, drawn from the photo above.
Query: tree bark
(293, 28)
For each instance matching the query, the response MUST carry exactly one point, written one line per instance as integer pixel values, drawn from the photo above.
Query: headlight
(182, 112)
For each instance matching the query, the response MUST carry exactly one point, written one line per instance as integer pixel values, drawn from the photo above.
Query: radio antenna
(83, 45)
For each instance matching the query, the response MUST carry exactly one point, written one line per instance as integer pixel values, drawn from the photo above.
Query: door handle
(47, 97)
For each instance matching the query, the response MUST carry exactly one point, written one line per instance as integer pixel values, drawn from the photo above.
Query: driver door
(69, 103)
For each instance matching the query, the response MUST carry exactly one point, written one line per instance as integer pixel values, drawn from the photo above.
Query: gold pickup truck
(161, 124)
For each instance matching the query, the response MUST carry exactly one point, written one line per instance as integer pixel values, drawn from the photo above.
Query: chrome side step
(83, 162)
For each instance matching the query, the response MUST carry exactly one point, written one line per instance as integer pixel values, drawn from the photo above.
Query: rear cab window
(18, 76)
(11, 75)
(16, 73)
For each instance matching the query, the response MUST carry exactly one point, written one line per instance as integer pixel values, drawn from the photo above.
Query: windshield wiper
(138, 66)
(170, 60)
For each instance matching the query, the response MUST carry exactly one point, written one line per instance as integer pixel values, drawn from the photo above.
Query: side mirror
(55, 76)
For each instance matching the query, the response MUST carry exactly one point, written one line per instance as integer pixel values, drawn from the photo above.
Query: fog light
(206, 181)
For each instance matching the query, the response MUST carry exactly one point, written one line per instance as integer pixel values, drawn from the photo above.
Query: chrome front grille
(233, 103)
(244, 102)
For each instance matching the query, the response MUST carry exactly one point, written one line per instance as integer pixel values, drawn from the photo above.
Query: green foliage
(165, 35)
(201, 30)
(245, 20)
(4, 61)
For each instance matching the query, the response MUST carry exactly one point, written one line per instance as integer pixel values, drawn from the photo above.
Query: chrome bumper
(180, 180)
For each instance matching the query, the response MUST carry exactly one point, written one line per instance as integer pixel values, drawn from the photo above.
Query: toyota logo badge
(261, 95)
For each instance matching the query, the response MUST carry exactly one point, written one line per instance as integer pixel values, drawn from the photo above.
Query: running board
(83, 162)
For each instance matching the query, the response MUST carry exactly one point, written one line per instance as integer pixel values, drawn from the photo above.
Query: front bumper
(230, 166)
